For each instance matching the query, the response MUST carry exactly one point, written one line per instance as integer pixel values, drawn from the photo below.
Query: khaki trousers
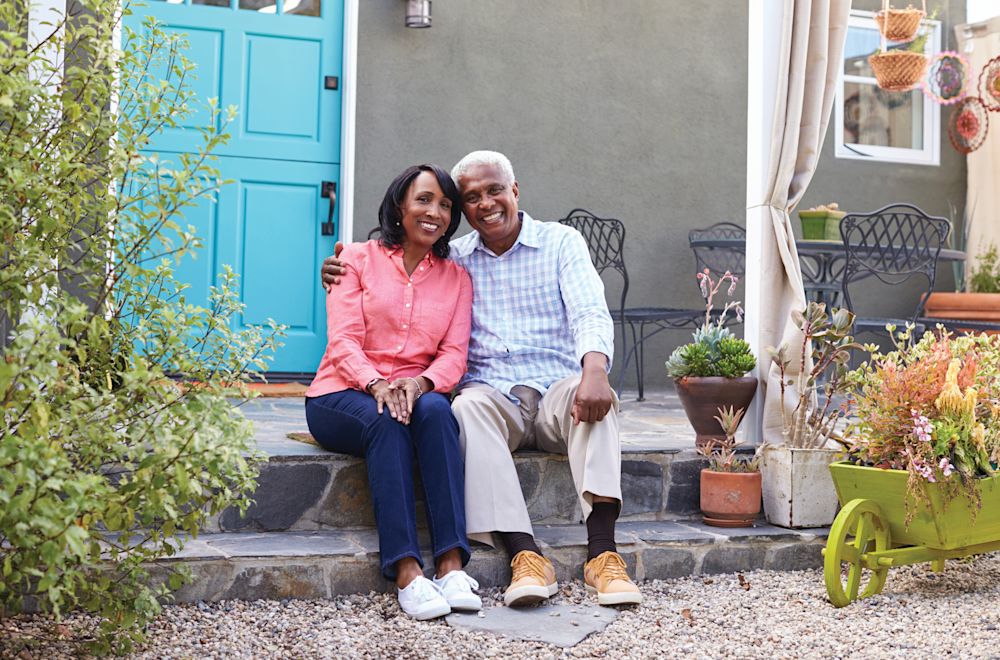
(492, 426)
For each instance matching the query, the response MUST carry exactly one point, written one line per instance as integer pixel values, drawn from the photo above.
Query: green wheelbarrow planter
(869, 535)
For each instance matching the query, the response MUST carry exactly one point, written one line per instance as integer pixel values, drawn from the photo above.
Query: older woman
(398, 328)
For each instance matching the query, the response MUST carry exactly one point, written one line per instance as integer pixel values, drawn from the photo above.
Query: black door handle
(329, 189)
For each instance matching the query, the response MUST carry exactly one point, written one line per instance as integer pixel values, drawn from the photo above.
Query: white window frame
(930, 154)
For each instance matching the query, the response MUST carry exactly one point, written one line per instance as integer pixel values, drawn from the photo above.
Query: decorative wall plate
(947, 79)
(989, 85)
(968, 124)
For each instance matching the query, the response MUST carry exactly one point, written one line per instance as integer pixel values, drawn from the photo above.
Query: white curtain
(812, 46)
(980, 43)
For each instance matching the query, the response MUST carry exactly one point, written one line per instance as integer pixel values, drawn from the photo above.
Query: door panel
(269, 58)
(278, 61)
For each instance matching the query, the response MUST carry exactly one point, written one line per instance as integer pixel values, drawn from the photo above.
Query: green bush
(106, 461)
(986, 277)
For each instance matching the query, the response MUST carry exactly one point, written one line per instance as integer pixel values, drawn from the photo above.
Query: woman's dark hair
(390, 214)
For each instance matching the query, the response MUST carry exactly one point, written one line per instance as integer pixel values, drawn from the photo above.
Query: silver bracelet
(420, 390)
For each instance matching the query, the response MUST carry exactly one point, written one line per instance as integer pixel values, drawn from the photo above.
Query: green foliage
(986, 277)
(815, 374)
(106, 463)
(714, 351)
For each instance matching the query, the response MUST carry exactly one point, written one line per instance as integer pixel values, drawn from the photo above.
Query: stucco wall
(634, 109)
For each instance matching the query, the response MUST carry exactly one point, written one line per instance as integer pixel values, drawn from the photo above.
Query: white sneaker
(456, 587)
(422, 600)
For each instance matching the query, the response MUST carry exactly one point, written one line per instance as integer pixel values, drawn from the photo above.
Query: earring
(397, 223)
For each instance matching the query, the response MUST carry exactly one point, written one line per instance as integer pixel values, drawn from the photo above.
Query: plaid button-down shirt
(537, 309)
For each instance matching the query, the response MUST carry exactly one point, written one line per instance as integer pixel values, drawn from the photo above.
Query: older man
(537, 378)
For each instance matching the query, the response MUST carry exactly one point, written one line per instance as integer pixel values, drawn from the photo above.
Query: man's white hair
(492, 158)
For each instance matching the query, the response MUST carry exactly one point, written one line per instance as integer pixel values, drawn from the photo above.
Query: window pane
(876, 117)
(210, 3)
(263, 6)
(861, 43)
(301, 7)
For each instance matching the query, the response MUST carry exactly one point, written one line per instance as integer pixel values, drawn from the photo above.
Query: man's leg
(594, 453)
(491, 427)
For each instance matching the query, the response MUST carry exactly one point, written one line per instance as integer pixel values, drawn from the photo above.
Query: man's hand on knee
(594, 396)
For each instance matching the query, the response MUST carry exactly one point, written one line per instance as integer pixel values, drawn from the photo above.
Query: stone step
(322, 564)
(304, 488)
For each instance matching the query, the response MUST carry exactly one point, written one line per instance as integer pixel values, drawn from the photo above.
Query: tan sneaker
(606, 575)
(533, 579)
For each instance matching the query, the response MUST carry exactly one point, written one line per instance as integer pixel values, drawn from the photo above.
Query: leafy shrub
(106, 462)
(715, 351)
(986, 277)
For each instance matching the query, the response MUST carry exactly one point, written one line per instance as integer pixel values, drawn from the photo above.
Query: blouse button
(404, 326)
(407, 304)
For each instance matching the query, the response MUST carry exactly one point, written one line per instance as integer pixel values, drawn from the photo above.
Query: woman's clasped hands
(399, 396)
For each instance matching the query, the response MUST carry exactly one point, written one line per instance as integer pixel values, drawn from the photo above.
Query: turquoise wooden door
(279, 62)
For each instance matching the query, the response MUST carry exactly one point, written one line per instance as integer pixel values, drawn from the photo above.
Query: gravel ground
(763, 614)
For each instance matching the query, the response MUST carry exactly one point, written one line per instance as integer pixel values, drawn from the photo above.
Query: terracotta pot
(730, 499)
(702, 396)
(964, 307)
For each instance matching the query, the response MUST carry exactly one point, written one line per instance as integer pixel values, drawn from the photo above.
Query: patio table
(822, 264)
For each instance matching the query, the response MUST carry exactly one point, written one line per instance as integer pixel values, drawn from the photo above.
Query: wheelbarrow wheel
(858, 529)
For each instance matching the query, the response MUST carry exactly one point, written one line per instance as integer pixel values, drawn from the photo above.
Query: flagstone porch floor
(656, 424)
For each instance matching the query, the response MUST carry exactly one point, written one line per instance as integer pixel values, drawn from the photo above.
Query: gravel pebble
(765, 614)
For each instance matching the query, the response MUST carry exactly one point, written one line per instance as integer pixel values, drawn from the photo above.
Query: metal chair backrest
(605, 239)
(893, 244)
(718, 260)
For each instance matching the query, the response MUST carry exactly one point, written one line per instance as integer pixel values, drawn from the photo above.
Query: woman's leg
(348, 422)
(439, 454)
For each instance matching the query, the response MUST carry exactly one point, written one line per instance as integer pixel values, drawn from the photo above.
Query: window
(876, 125)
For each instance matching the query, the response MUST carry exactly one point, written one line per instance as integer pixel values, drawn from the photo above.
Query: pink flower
(946, 467)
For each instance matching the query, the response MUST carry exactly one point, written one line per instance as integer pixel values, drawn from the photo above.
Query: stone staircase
(310, 533)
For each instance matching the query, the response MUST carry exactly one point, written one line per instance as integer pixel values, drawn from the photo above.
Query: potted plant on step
(730, 485)
(711, 371)
(797, 488)
(981, 301)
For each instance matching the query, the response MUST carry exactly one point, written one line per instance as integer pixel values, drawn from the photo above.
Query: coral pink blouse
(383, 323)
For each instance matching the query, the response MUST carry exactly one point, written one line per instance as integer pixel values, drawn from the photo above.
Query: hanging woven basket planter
(900, 24)
(898, 70)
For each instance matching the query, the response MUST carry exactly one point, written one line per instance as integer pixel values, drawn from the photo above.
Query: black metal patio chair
(894, 244)
(605, 239)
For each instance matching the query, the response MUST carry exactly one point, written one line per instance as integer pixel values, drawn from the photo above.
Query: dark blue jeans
(348, 422)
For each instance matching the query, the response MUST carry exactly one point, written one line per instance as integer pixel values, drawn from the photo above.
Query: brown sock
(516, 542)
(601, 529)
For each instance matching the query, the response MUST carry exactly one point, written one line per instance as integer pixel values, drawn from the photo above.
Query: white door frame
(348, 118)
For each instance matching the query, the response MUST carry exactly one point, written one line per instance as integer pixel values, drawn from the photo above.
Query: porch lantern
(418, 13)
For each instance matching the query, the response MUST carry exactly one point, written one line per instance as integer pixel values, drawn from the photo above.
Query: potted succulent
(821, 223)
(711, 371)
(730, 485)
(981, 300)
(797, 487)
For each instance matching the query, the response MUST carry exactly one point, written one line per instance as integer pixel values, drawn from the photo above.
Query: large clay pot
(730, 499)
(702, 396)
(964, 307)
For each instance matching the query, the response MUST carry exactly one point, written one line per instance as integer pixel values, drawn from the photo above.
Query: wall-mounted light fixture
(418, 13)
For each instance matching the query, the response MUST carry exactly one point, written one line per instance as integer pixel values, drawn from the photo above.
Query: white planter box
(797, 486)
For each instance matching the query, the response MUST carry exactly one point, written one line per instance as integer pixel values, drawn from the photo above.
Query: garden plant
(119, 435)
(715, 351)
(930, 407)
